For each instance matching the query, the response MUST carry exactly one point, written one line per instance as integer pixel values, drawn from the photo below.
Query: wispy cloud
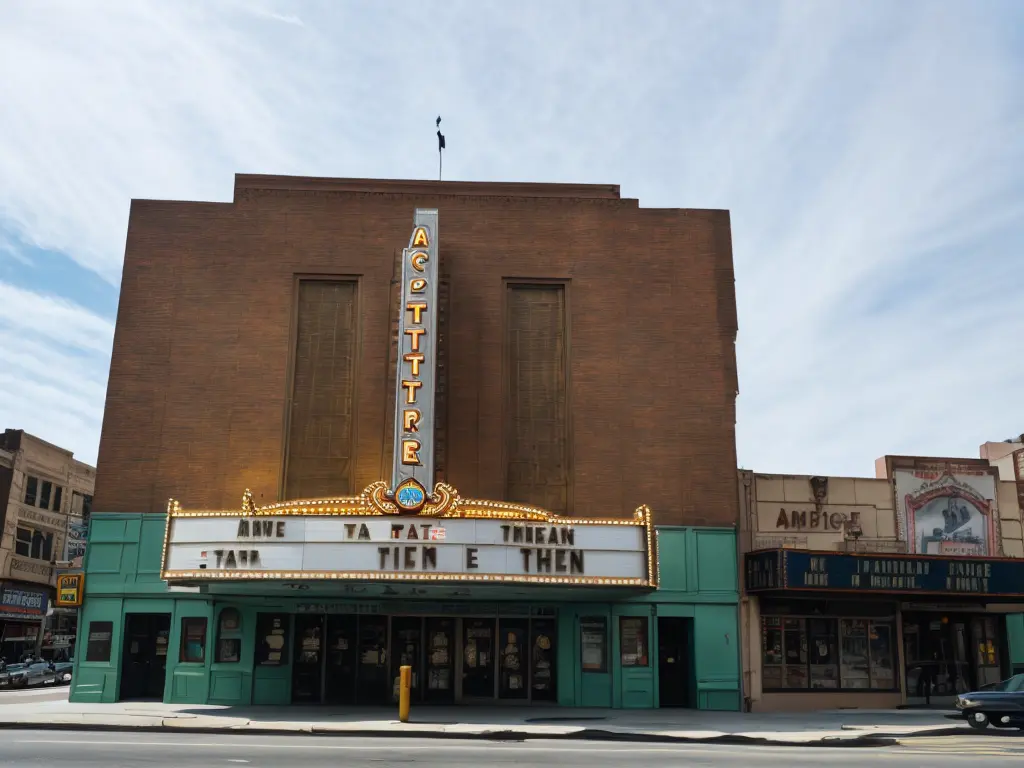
(53, 368)
(871, 154)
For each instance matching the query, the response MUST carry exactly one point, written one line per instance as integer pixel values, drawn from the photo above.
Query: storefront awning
(790, 570)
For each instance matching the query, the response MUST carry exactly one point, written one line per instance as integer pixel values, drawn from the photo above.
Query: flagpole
(440, 147)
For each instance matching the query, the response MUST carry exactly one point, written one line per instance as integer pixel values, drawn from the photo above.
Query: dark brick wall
(200, 368)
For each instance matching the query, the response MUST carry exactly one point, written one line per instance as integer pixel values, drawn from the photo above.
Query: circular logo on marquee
(410, 496)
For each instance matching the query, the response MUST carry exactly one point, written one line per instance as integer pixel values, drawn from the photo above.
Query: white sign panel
(405, 548)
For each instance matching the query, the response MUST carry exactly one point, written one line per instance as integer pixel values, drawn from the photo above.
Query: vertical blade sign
(412, 477)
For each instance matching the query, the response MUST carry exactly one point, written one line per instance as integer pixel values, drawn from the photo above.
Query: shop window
(44, 494)
(271, 639)
(193, 640)
(633, 641)
(986, 649)
(31, 490)
(880, 644)
(97, 647)
(855, 665)
(784, 648)
(594, 644)
(827, 654)
(824, 653)
(58, 498)
(772, 665)
(229, 637)
(794, 642)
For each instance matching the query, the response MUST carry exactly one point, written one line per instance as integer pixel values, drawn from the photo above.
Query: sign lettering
(70, 587)
(50, 521)
(229, 559)
(813, 519)
(16, 602)
(790, 569)
(260, 529)
(412, 476)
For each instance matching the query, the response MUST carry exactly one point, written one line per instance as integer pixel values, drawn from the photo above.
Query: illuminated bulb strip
(206, 575)
(444, 503)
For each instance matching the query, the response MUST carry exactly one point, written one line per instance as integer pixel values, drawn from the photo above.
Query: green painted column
(97, 682)
(1015, 641)
(717, 657)
(567, 662)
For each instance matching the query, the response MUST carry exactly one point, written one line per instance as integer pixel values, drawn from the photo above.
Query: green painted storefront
(698, 584)
(1015, 641)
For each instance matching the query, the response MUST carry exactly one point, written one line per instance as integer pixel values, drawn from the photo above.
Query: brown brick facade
(202, 355)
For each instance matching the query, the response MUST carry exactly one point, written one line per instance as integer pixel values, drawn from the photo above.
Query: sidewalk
(838, 728)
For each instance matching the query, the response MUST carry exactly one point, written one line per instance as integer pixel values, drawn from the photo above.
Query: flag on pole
(440, 146)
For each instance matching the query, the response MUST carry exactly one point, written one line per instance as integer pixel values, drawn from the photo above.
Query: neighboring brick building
(585, 366)
(45, 499)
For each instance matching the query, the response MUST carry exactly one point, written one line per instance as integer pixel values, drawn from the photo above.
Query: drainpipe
(743, 545)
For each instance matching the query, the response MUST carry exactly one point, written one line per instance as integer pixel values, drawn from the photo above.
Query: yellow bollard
(404, 692)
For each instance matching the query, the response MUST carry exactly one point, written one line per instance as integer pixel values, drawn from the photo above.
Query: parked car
(63, 670)
(28, 675)
(999, 704)
(14, 676)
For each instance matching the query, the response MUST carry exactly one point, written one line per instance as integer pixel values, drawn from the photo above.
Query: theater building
(485, 430)
(904, 589)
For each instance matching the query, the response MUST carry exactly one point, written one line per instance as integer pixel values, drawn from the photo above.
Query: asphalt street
(49, 749)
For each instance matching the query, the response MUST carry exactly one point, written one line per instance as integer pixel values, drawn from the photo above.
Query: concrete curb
(510, 734)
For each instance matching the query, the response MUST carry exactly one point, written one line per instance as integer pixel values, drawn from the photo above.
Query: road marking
(306, 743)
(402, 745)
(963, 753)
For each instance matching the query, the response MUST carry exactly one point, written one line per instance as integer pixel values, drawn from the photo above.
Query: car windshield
(1010, 685)
(16, 667)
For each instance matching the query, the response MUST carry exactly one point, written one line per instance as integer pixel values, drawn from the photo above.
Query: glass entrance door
(440, 677)
(341, 660)
(513, 659)
(144, 660)
(478, 658)
(542, 660)
(406, 651)
(307, 669)
(372, 676)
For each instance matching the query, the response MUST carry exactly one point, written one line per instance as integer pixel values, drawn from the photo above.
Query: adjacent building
(902, 589)
(45, 501)
(485, 430)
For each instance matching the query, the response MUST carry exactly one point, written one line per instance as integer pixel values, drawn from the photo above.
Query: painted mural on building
(948, 510)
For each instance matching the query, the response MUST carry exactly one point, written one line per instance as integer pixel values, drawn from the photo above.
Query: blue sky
(871, 153)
